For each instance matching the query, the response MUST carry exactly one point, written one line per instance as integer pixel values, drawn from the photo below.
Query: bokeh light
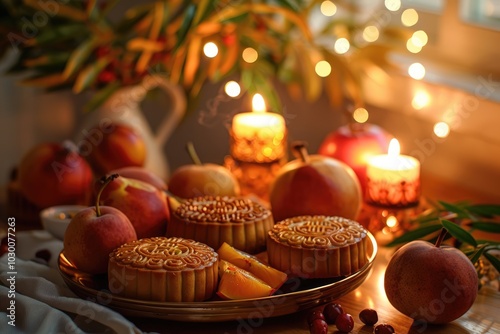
(371, 33)
(360, 115)
(323, 68)
(421, 99)
(232, 89)
(393, 5)
(412, 47)
(250, 55)
(420, 38)
(441, 129)
(409, 17)
(328, 8)
(342, 45)
(210, 49)
(416, 71)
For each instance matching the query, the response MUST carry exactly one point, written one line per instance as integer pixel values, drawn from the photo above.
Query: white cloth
(43, 302)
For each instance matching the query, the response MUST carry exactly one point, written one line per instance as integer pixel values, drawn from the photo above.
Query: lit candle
(258, 136)
(393, 180)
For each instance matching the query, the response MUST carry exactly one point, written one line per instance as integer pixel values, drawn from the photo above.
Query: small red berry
(332, 311)
(384, 329)
(316, 314)
(368, 316)
(318, 326)
(344, 323)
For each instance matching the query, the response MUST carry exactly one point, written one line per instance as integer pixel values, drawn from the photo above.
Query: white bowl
(56, 219)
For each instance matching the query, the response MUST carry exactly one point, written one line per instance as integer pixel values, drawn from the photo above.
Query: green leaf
(101, 96)
(490, 227)
(477, 253)
(89, 74)
(415, 234)
(59, 34)
(490, 242)
(486, 210)
(203, 9)
(79, 57)
(186, 24)
(460, 211)
(495, 262)
(458, 232)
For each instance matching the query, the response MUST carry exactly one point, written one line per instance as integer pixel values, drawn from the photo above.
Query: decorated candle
(393, 180)
(258, 136)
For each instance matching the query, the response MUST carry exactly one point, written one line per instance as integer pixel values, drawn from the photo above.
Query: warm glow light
(394, 148)
(371, 33)
(250, 55)
(391, 221)
(419, 38)
(420, 100)
(416, 71)
(409, 17)
(393, 5)
(342, 45)
(412, 47)
(441, 129)
(232, 88)
(360, 115)
(328, 8)
(258, 103)
(323, 68)
(210, 49)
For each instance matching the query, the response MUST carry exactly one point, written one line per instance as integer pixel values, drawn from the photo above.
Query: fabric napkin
(43, 302)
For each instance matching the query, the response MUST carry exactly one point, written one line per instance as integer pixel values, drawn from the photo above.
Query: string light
(323, 68)
(409, 17)
(416, 71)
(328, 8)
(250, 55)
(232, 89)
(360, 115)
(342, 45)
(371, 33)
(210, 49)
(441, 129)
(393, 5)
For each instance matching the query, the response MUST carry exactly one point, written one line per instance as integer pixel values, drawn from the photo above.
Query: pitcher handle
(178, 109)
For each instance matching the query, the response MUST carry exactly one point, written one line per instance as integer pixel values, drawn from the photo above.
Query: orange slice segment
(273, 277)
(236, 283)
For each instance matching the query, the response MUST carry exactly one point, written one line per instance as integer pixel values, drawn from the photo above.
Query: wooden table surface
(482, 318)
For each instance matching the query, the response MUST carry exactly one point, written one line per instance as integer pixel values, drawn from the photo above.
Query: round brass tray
(295, 295)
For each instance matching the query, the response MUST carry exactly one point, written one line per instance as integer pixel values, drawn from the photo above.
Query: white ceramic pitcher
(124, 107)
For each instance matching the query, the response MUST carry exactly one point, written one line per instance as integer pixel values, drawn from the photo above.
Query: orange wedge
(236, 283)
(273, 277)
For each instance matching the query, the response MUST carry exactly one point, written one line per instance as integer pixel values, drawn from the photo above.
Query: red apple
(315, 185)
(93, 234)
(202, 179)
(142, 174)
(354, 145)
(113, 147)
(429, 283)
(55, 174)
(145, 205)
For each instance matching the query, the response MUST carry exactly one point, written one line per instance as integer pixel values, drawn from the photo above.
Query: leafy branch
(461, 220)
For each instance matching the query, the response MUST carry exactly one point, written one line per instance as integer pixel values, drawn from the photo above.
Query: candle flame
(394, 148)
(258, 103)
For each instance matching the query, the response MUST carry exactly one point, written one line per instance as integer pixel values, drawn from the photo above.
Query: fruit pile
(333, 314)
